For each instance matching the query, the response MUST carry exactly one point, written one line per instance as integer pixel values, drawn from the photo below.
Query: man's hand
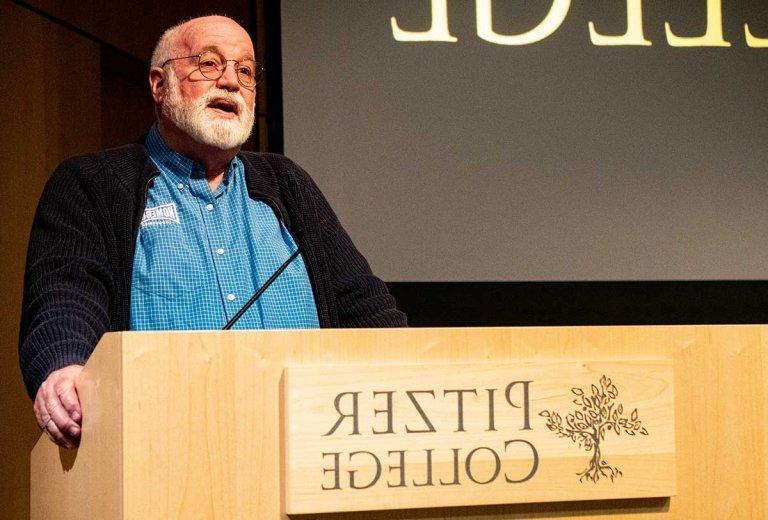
(57, 407)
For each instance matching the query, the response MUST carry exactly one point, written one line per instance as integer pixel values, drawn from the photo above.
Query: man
(178, 231)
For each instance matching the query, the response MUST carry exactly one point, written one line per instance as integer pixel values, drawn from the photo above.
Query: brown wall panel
(135, 26)
(50, 110)
(127, 110)
(127, 40)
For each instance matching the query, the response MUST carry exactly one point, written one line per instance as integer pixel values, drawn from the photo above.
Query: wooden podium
(207, 424)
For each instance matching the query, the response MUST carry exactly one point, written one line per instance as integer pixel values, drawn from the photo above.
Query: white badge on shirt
(165, 214)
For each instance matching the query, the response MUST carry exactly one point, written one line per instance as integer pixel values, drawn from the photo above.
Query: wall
(134, 26)
(48, 88)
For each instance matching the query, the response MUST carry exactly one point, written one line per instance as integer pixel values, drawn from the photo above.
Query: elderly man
(178, 231)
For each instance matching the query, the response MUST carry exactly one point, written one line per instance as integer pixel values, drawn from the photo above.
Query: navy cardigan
(77, 284)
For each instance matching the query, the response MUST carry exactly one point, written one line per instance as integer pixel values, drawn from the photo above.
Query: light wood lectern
(211, 425)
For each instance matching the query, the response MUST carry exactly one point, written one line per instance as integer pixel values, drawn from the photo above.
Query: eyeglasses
(212, 66)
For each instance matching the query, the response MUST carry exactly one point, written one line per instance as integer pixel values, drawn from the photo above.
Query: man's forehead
(217, 34)
(224, 51)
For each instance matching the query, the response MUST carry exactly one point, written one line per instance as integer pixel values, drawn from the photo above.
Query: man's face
(218, 113)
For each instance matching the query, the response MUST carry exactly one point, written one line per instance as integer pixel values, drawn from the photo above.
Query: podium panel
(367, 437)
(190, 424)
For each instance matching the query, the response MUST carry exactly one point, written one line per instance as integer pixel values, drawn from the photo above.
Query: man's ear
(157, 83)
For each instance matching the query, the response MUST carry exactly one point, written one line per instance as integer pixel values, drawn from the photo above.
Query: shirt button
(180, 186)
(220, 251)
(231, 297)
(209, 207)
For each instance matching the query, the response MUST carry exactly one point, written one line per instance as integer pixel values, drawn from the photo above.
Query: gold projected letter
(754, 41)
(634, 34)
(438, 32)
(712, 38)
(550, 24)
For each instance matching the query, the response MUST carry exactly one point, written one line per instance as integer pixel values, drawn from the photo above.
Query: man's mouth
(223, 105)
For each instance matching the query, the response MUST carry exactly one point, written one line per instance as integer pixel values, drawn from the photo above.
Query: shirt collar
(170, 161)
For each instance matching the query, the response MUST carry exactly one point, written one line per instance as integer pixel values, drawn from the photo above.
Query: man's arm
(65, 306)
(363, 300)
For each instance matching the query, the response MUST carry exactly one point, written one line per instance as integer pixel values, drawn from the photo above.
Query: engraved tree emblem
(587, 426)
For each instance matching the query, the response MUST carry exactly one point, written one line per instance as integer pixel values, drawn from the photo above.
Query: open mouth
(228, 107)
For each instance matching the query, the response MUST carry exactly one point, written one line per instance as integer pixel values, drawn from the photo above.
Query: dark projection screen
(552, 140)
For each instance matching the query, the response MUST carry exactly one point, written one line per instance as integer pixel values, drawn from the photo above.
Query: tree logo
(587, 426)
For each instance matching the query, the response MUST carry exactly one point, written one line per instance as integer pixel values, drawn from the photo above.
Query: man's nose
(228, 79)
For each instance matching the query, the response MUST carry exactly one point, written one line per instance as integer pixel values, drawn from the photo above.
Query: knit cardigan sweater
(77, 284)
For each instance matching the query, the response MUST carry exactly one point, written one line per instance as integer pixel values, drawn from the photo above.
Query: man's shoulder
(125, 164)
(277, 162)
(282, 169)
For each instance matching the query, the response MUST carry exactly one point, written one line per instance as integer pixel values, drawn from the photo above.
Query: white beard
(203, 126)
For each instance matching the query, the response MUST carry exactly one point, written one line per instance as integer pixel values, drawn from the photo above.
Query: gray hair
(167, 41)
(165, 45)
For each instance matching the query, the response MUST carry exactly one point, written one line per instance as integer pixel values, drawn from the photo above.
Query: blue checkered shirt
(201, 254)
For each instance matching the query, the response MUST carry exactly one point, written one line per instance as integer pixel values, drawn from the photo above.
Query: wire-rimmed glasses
(212, 65)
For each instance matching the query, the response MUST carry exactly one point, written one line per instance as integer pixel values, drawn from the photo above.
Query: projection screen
(536, 140)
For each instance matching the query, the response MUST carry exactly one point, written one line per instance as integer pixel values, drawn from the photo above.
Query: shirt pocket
(165, 263)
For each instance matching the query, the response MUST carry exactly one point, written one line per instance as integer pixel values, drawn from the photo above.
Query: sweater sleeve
(362, 299)
(67, 281)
